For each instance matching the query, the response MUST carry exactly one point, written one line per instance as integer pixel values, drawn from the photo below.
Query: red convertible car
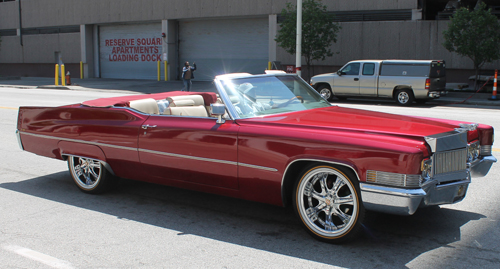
(269, 138)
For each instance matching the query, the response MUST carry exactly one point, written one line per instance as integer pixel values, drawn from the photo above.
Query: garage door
(130, 51)
(224, 46)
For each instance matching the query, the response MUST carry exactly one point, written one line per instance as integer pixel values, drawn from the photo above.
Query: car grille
(450, 161)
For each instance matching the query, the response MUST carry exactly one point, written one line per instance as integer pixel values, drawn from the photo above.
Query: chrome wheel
(328, 204)
(88, 174)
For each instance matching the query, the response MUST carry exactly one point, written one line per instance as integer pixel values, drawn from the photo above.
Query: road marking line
(13, 108)
(39, 257)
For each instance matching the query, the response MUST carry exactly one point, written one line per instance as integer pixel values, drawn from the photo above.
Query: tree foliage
(474, 34)
(319, 31)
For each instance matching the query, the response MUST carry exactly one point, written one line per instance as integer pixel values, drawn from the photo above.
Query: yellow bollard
(159, 71)
(57, 75)
(269, 66)
(81, 70)
(165, 69)
(63, 81)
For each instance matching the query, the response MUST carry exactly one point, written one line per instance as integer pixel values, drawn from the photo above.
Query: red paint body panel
(245, 158)
(200, 138)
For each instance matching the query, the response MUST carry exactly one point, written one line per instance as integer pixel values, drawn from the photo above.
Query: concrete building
(125, 38)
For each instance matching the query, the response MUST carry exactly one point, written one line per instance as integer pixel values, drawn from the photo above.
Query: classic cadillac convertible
(269, 138)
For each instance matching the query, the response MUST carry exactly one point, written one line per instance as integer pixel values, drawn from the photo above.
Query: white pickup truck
(405, 81)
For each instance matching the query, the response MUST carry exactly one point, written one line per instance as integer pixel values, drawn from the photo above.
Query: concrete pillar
(169, 47)
(87, 50)
(416, 14)
(273, 30)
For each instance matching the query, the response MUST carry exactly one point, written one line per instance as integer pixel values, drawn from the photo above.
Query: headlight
(473, 151)
(426, 168)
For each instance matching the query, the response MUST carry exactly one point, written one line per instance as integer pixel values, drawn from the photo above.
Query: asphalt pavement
(151, 86)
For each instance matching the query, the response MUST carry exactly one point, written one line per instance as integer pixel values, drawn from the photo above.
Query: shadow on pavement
(388, 241)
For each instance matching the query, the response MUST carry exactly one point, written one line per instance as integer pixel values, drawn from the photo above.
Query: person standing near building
(187, 75)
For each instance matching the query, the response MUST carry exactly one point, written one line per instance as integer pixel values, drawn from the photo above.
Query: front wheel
(89, 175)
(326, 92)
(328, 203)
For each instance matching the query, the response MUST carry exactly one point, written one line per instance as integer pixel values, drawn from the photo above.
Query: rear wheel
(89, 175)
(328, 203)
(404, 97)
(326, 92)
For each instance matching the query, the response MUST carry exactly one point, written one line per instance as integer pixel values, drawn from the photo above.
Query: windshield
(267, 95)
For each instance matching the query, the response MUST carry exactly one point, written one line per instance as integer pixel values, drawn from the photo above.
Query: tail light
(428, 84)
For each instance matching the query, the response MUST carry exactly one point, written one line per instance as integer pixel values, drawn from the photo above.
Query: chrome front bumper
(401, 201)
(481, 167)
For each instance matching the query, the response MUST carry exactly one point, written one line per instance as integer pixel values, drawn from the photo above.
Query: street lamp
(298, 49)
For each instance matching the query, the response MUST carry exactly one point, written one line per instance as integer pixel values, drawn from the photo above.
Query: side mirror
(340, 73)
(218, 110)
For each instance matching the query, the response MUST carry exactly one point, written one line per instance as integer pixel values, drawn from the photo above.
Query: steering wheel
(293, 99)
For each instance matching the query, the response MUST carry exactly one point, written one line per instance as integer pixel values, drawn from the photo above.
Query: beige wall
(42, 13)
(357, 40)
(391, 40)
(40, 48)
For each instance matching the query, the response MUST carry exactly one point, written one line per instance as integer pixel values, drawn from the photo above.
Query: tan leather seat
(147, 105)
(186, 100)
(186, 105)
(192, 111)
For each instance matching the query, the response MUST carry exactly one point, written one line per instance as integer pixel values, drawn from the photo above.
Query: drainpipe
(20, 25)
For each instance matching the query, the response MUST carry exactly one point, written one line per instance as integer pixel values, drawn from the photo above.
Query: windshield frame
(222, 80)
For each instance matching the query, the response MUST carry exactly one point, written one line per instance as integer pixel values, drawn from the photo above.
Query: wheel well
(401, 87)
(321, 84)
(293, 171)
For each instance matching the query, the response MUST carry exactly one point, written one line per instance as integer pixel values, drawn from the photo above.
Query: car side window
(368, 69)
(351, 69)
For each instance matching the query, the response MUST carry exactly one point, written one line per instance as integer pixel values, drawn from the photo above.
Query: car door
(368, 79)
(347, 80)
(190, 149)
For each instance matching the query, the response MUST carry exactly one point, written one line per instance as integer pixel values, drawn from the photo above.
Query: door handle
(148, 126)
(356, 79)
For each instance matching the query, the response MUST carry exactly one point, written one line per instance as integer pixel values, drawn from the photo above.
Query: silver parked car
(405, 81)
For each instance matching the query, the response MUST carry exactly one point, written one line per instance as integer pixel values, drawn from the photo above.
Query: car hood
(357, 120)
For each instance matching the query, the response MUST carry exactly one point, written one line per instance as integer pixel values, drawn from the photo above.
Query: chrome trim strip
(18, 135)
(391, 191)
(258, 167)
(157, 152)
(187, 157)
(208, 160)
(80, 141)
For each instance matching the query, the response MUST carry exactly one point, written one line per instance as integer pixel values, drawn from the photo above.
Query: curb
(53, 87)
(10, 78)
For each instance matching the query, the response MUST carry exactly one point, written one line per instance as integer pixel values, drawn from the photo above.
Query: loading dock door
(130, 51)
(224, 46)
